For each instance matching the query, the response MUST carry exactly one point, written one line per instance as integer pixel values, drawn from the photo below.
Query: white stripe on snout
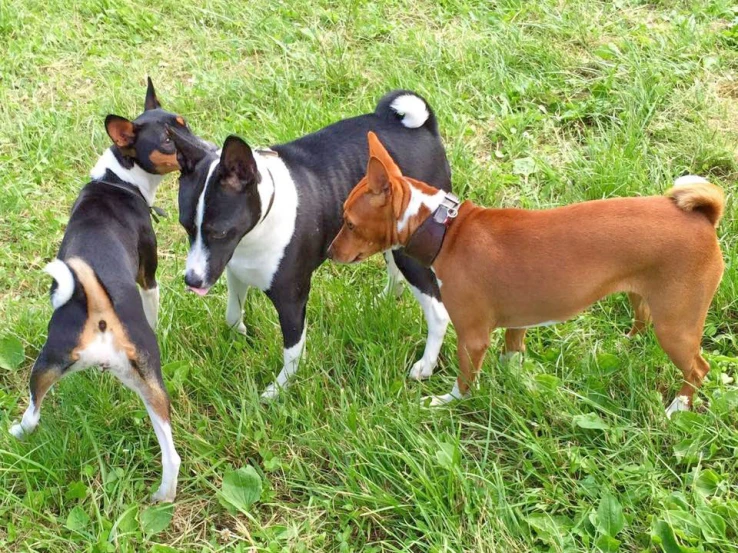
(61, 273)
(197, 258)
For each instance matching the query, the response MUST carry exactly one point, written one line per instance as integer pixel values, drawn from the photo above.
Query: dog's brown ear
(237, 160)
(377, 177)
(151, 101)
(377, 150)
(121, 131)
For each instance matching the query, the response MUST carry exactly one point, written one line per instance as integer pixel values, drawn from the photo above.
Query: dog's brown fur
(516, 268)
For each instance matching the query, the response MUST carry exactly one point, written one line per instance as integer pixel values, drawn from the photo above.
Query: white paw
(17, 431)
(421, 370)
(680, 403)
(271, 392)
(241, 329)
(164, 494)
(511, 356)
(438, 401)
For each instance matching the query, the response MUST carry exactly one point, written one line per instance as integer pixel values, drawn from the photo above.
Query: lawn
(540, 103)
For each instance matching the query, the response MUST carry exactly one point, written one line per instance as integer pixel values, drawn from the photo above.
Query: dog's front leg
(291, 310)
(236, 297)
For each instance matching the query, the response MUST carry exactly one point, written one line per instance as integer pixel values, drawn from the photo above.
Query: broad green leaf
(75, 490)
(707, 482)
(610, 520)
(155, 519)
(590, 421)
(524, 166)
(446, 455)
(608, 543)
(241, 488)
(663, 535)
(11, 353)
(712, 524)
(77, 519)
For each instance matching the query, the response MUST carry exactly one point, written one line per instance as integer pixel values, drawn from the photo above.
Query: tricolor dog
(101, 317)
(515, 268)
(267, 216)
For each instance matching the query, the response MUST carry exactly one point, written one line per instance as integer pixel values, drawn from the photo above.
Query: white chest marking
(417, 200)
(146, 182)
(257, 257)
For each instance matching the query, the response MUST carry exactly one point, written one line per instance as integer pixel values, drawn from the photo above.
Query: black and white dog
(100, 317)
(268, 216)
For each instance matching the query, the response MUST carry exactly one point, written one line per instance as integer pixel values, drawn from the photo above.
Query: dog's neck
(146, 182)
(419, 205)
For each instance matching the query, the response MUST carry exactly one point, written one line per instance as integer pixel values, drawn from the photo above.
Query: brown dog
(516, 268)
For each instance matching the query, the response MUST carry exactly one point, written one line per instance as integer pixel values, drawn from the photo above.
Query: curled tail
(411, 109)
(693, 193)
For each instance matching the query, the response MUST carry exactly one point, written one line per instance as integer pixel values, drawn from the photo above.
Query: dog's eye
(349, 225)
(219, 234)
(167, 140)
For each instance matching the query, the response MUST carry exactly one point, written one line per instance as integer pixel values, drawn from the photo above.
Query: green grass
(540, 103)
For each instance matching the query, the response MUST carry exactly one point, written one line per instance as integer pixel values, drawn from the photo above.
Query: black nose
(193, 280)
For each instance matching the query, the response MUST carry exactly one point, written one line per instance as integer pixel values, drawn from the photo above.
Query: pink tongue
(199, 291)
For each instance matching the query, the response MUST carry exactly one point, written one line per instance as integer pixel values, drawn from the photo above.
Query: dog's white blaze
(146, 182)
(62, 274)
(686, 180)
(256, 258)
(28, 423)
(150, 301)
(292, 357)
(417, 200)
(438, 319)
(413, 110)
(197, 257)
(170, 459)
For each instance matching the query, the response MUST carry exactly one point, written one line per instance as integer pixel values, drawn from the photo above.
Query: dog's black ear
(189, 151)
(121, 131)
(151, 101)
(238, 165)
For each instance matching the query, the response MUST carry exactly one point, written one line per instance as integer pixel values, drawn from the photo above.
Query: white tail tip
(64, 278)
(413, 110)
(686, 180)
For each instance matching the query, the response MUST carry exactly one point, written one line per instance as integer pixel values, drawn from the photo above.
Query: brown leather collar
(426, 241)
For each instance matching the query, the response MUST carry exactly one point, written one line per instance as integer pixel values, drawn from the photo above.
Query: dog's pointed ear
(189, 151)
(151, 101)
(377, 172)
(238, 165)
(121, 131)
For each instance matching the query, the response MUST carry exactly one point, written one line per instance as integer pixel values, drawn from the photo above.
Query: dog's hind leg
(144, 378)
(43, 377)
(395, 279)
(425, 288)
(641, 314)
(514, 343)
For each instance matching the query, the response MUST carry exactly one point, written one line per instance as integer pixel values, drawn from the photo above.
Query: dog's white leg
(680, 403)
(292, 357)
(236, 296)
(395, 279)
(437, 401)
(170, 460)
(150, 301)
(28, 423)
(438, 319)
